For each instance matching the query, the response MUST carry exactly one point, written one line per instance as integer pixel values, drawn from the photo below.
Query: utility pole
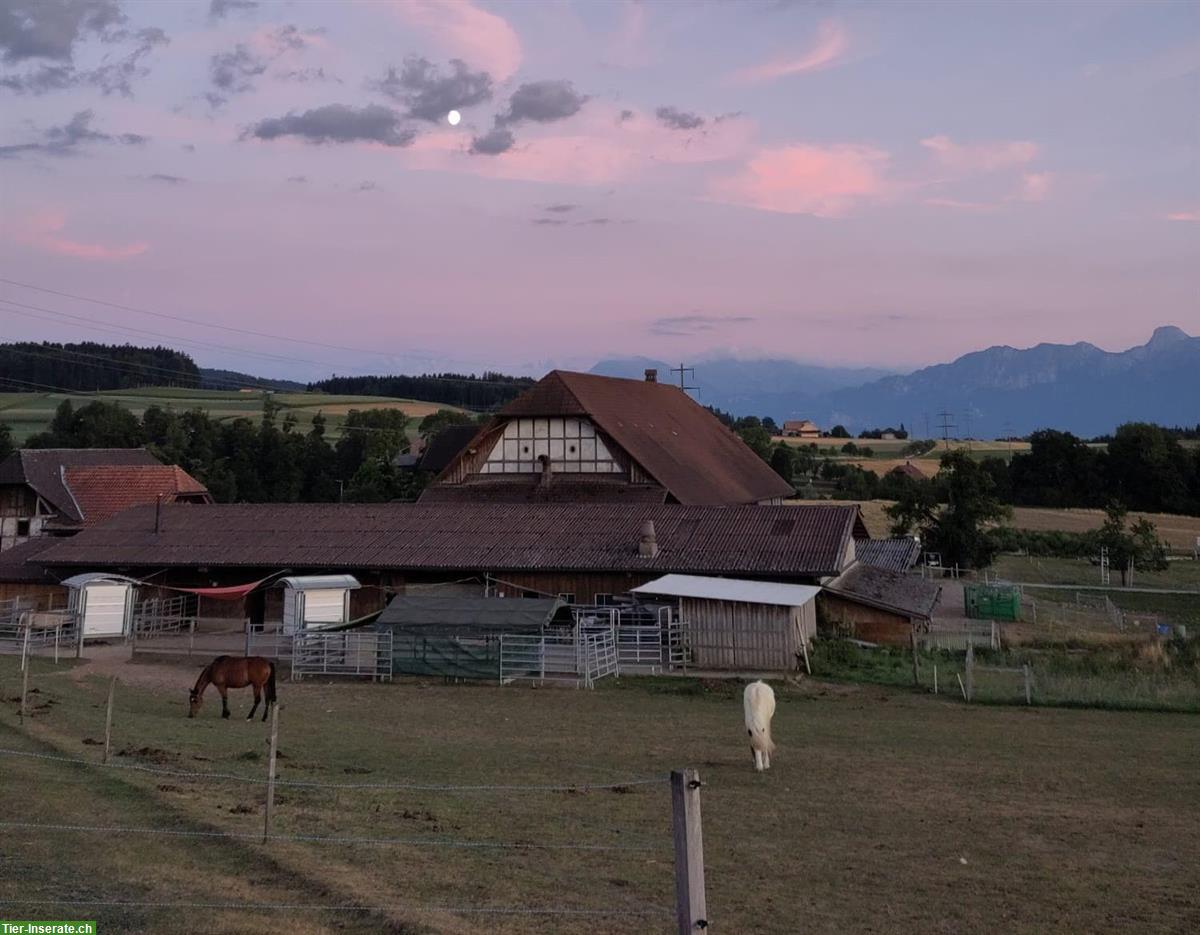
(682, 370)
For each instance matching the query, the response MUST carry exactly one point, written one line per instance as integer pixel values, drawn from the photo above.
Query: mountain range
(991, 393)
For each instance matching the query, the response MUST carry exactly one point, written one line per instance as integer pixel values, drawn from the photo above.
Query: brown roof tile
(102, 491)
(776, 541)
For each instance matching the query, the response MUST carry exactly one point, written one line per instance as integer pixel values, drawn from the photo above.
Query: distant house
(58, 491)
(801, 428)
(583, 438)
(908, 469)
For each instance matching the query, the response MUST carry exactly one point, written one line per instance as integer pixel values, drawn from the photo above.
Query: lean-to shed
(734, 623)
(316, 602)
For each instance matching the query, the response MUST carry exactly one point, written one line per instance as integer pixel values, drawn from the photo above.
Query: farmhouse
(801, 428)
(583, 438)
(56, 492)
(910, 470)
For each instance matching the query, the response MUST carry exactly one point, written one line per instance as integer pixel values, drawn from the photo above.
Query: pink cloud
(832, 44)
(1184, 216)
(825, 181)
(1035, 186)
(627, 47)
(43, 232)
(466, 31)
(981, 157)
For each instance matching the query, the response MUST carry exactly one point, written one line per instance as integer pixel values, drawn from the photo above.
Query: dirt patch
(152, 754)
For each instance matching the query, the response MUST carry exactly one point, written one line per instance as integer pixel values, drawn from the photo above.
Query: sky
(275, 187)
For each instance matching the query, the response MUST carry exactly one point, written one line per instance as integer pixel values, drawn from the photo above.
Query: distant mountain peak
(1166, 335)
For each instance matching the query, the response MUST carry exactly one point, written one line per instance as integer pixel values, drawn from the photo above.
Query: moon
(453, 117)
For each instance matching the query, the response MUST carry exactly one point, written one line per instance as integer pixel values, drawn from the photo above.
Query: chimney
(158, 514)
(547, 471)
(651, 375)
(648, 543)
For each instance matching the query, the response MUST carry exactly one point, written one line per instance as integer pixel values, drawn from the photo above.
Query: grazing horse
(227, 672)
(759, 703)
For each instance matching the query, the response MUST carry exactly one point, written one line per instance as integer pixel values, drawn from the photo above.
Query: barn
(741, 625)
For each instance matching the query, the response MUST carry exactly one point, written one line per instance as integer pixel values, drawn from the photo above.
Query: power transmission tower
(947, 425)
(682, 370)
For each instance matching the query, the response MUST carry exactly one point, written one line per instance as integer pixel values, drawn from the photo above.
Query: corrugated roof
(507, 613)
(320, 582)
(897, 554)
(731, 589)
(914, 597)
(800, 541)
(679, 443)
(18, 564)
(104, 490)
(42, 469)
(528, 488)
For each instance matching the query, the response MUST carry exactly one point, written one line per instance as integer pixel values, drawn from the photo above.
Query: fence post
(691, 912)
(271, 772)
(1028, 684)
(112, 687)
(25, 643)
(970, 670)
(935, 687)
(24, 689)
(191, 636)
(912, 636)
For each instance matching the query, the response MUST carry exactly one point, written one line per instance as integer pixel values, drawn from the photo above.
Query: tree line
(88, 366)
(487, 391)
(265, 461)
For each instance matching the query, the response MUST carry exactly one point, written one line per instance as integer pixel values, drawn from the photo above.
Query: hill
(212, 379)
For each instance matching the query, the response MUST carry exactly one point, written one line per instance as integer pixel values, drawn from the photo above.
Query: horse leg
(224, 701)
(257, 698)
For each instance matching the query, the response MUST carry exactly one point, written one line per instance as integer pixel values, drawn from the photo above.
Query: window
(566, 597)
(604, 600)
(22, 527)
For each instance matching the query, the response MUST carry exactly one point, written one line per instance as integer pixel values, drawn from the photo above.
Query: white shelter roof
(321, 582)
(731, 589)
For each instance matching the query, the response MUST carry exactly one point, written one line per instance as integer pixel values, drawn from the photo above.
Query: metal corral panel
(731, 589)
(104, 609)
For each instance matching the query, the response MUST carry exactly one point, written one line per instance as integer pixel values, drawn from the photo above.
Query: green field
(30, 413)
(884, 810)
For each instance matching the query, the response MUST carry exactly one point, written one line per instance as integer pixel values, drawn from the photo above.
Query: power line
(681, 370)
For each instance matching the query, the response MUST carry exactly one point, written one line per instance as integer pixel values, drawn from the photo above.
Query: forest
(89, 366)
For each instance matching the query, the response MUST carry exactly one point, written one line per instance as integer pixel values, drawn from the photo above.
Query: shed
(734, 623)
(103, 604)
(459, 637)
(874, 604)
(316, 602)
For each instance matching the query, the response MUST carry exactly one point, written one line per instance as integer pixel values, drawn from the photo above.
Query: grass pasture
(884, 809)
(30, 413)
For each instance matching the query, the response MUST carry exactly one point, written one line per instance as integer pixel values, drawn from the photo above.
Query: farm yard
(30, 413)
(883, 808)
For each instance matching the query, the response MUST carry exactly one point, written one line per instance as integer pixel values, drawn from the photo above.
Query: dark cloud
(221, 8)
(50, 28)
(732, 115)
(625, 115)
(288, 37)
(189, 147)
(66, 140)
(678, 119)
(495, 141)
(337, 123)
(166, 179)
(114, 77)
(297, 179)
(548, 222)
(428, 93)
(561, 208)
(367, 186)
(542, 102)
(305, 75)
(593, 222)
(694, 324)
(233, 73)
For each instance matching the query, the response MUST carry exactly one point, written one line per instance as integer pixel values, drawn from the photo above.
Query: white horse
(759, 702)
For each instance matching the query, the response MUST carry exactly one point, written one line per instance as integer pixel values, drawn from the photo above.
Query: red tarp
(233, 593)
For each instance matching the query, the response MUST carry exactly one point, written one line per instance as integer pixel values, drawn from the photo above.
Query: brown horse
(227, 672)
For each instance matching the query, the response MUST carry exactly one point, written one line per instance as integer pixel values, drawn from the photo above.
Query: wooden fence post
(24, 688)
(691, 911)
(25, 643)
(969, 675)
(1028, 684)
(112, 687)
(912, 635)
(271, 772)
(935, 687)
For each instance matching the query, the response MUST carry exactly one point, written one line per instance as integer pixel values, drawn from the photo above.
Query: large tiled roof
(445, 446)
(42, 469)
(527, 488)
(679, 443)
(877, 587)
(770, 541)
(896, 554)
(102, 491)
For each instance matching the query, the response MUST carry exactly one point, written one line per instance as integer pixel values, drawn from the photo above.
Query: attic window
(571, 449)
(22, 527)
(783, 527)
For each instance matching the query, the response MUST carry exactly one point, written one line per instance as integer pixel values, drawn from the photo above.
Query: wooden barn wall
(746, 637)
(44, 596)
(843, 617)
(584, 585)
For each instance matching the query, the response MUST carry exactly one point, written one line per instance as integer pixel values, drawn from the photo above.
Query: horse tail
(271, 684)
